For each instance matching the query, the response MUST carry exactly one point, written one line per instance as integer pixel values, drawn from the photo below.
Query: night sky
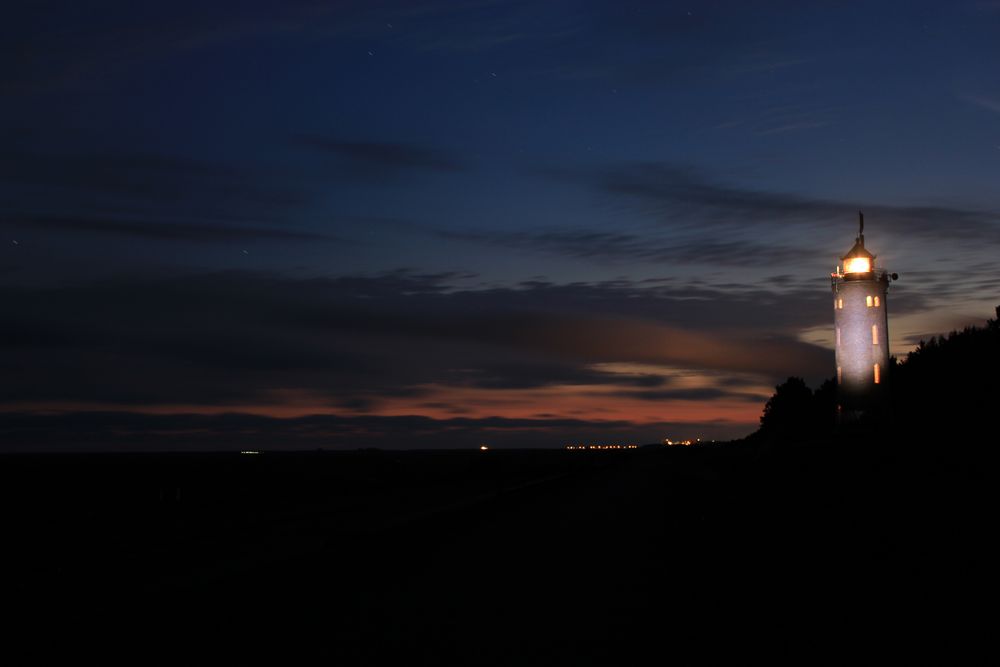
(417, 224)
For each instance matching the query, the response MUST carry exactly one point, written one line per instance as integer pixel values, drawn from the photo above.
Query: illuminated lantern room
(858, 260)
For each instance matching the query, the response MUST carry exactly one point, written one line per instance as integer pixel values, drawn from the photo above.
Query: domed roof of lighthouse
(858, 250)
(858, 259)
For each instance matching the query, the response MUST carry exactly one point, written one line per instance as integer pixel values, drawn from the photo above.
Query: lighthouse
(861, 325)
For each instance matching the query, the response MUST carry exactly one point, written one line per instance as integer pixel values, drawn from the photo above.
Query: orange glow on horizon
(584, 402)
(576, 402)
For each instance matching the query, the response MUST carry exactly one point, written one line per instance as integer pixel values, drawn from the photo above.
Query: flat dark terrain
(709, 555)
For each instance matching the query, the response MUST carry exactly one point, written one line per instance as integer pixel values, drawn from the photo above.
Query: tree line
(948, 387)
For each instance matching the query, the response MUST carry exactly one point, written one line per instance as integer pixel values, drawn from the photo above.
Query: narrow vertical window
(877, 377)
(876, 302)
(839, 375)
(838, 336)
(840, 303)
(868, 300)
(874, 334)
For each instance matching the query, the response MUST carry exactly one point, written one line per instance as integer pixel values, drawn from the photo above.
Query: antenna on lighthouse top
(861, 226)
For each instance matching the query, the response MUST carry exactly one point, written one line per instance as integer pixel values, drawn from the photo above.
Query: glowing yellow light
(868, 300)
(876, 374)
(858, 265)
(876, 302)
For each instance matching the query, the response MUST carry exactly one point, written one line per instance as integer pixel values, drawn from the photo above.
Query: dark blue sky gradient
(479, 210)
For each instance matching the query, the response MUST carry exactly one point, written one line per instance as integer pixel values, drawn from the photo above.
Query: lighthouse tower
(862, 327)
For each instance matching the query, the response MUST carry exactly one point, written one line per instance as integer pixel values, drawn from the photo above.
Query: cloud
(240, 338)
(153, 196)
(365, 351)
(619, 246)
(685, 197)
(793, 127)
(697, 394)
(373, 160)
(987, 103)
(150, 185)
(167, 231)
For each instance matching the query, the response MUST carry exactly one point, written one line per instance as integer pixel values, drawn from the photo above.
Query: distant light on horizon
(686, 442)
(597, 446)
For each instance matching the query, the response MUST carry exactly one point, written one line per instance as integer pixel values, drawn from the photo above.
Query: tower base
(846, 416)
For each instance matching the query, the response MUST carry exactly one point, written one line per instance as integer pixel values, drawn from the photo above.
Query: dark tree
(789, 412)
(824, 407)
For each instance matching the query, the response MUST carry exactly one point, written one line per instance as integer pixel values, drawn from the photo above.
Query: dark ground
(709, 555)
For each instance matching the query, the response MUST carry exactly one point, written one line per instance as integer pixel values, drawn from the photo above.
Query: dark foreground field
(705, 555)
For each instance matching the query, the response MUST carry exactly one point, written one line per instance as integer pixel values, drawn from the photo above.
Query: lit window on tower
(838, 336)
(839, 375)
(877, 376)
(874, 334)
(840, 303)
(868, 300)
(876, 302)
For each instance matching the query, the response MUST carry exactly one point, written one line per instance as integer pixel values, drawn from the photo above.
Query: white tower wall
(862, 337)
